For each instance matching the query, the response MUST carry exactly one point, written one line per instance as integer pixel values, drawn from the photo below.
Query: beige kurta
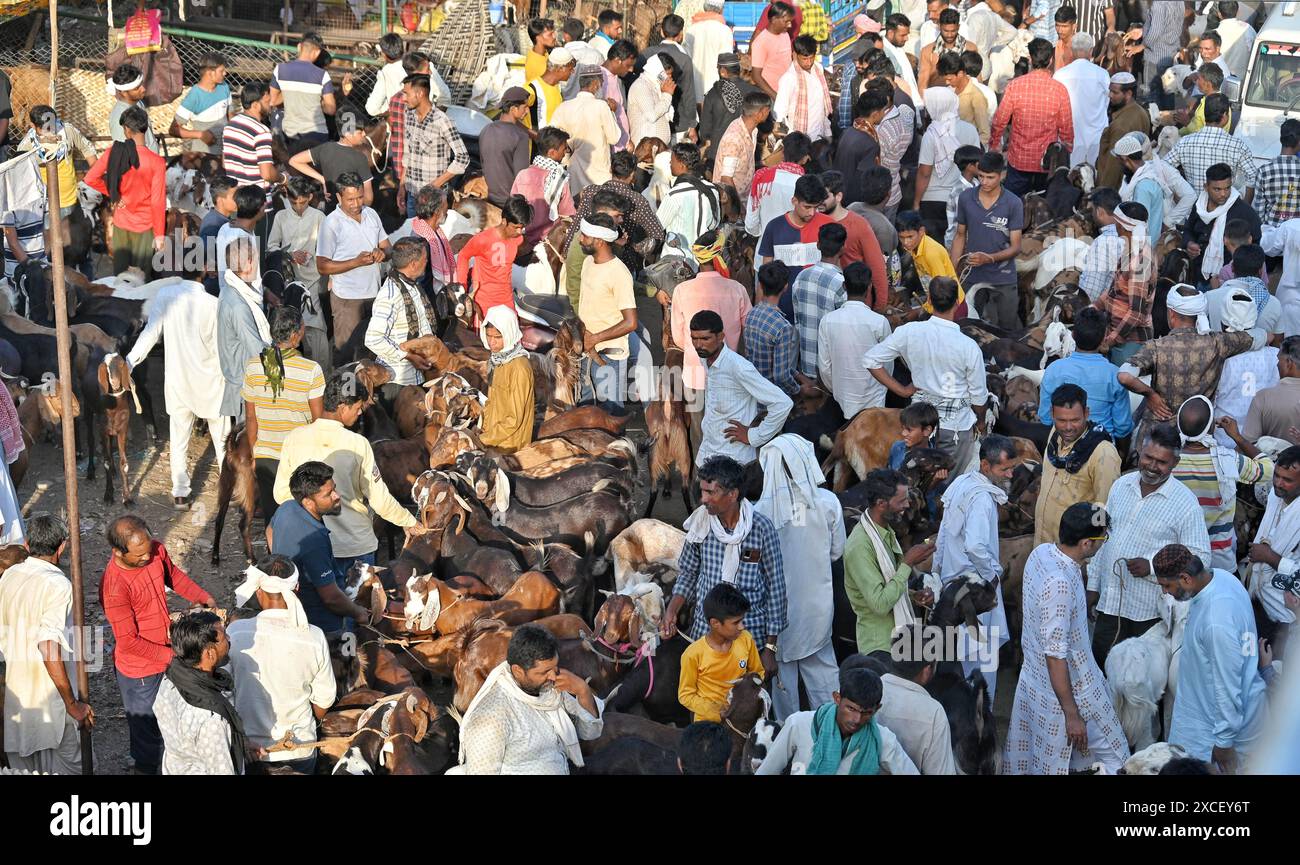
(593, 132)
(1059, 489)
(35, 607)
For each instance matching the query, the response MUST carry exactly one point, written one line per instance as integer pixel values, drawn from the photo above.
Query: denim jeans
(146, 739)
(607, 384)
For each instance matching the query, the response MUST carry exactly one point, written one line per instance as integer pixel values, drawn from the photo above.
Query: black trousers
(1110, 630)
(264, 470)
(146, 739)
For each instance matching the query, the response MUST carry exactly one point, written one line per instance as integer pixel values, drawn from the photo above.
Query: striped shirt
(1198, 474)
(245, 146)
(278, 415)
(303, 84)
(30, 227)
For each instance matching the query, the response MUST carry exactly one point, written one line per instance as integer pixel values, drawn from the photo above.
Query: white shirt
(704, 41)
(35, 607)
(187, 314)
(1238, 43)
(794, 748)
(1139, 528)
(1284, 240)
(903, 66)
(775, 201)
(195, 741)
(986, 29)
(787, 94)
(1243, 376)
(649, 111)
(507, 737)
(1089, 86)
(1179, 195)
(342, 238)
(734, 390)
(280, 672)
(947, 368)
(817, 540)
(941, 185)
(843, 337)
(684, 210)
(1278, 530)
(921, 725)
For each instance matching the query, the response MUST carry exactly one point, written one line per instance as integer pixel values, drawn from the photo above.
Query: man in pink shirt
(711, 289)
(545, 184)
(771, 52)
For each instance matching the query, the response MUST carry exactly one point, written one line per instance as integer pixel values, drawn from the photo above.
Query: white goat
(1138, 672)
(1151, 759)
(645, 542)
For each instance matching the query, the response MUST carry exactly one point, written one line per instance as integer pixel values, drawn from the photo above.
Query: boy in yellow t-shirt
(724, 654)
(928, 254)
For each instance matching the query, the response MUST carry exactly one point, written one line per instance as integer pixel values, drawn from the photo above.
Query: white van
(1272, 91)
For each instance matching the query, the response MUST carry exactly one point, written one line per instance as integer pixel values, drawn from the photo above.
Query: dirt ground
(188, 537)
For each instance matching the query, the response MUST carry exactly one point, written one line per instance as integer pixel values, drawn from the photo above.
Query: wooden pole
(63, 338)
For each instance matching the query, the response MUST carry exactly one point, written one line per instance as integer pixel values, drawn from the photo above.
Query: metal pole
(383, 16)
(63, 338)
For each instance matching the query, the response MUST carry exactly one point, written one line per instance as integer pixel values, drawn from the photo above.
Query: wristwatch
(771, 647)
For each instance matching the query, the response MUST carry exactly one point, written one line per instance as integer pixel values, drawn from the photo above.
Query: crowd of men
(901, 159)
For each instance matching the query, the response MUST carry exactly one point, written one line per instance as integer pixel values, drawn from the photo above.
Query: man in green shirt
(875, 567)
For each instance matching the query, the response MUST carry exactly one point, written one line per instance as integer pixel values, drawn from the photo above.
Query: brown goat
(533, 596)
(863, 445)
(583, 417)
(238, 483)
(114, 383)
(670, 446)
(444, 359)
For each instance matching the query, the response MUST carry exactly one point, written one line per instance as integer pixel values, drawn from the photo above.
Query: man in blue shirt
(1219, 711)
(1108, 401)
(298, 532)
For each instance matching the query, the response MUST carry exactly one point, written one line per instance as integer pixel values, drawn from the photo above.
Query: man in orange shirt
(493, 251)
(135, 178)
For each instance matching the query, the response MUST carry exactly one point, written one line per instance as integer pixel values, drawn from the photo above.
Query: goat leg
(225, 488)
(245, 524)
(122, 466)
(108, 463)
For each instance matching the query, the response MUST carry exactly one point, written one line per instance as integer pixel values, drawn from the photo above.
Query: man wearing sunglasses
(1059, 679)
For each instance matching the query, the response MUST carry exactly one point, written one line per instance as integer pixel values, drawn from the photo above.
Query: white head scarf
(503, 318)
(1192, 306)
(1224, 463)
(941, 102)
(1239, 311)
(285, 587)
(791, 476)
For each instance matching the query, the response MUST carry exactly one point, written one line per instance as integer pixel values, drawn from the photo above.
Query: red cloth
(1038, 108)
(862, 245)
(793, 32)
(135, 603)
(142, 205)
(11, 431)
(494, 259)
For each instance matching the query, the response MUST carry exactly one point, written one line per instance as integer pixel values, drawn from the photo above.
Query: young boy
(724, 654)
(295, 232)
(920, 421)
(967, 159)
(493, 252)
(1235, 234)
(930, 258)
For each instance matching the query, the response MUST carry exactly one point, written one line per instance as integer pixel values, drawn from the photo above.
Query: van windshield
(1275, 79)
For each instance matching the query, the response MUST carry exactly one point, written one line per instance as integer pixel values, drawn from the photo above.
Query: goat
(670, 446)
(1138, 672)
(1151, 759)
(646, 542)
(106, 395)
(863, 445)
(431, 602)
(583, 417)
(238, 483)
(496, 487)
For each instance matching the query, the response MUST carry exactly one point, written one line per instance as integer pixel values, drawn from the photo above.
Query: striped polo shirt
(278, 415)
(245, 145)
(302, 85)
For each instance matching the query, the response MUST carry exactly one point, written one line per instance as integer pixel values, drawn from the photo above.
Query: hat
(588, 69)
(560, 56)
(729, 59)
(1123, 78)
(1131, 144)
(514, 96)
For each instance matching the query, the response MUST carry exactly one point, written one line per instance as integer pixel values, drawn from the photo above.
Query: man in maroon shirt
(134, 594)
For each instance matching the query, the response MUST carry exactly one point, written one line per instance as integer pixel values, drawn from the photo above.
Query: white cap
(1131, 144)
(560, 56)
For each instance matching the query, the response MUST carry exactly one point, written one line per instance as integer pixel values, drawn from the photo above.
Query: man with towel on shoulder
(1203, 232)
(530, 714)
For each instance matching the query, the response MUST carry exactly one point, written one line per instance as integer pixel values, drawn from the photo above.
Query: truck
(1271, 92)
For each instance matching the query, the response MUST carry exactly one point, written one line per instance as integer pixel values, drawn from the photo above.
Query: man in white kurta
(592, 131)
(1276, 549)
(968, 544)
(1089, 87)
(41, 706)
(918, 719)
(193, 384)
(1059, 726)
(809, 522)
(707, 36)
(528, 716)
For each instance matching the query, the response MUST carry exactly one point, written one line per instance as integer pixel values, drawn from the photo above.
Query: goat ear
(102, 375)
(463, 516)
(503, 491)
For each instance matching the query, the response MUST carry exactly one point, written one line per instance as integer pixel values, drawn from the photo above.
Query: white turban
(606, 234)
(1239, 311)
(130, 85)
(285, 587)
(1192, 306)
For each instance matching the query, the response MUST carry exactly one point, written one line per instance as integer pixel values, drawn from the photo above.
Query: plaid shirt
(1185, 363)
(396, 131)
(699, 569)
(895, 135)
(844, 107)
(1038, 108)
(1194, 153)
(1127, 304)
(1277, 190)
(640, 214)
(433, 148)
(818, 289)
(771, 346)
(816, 23)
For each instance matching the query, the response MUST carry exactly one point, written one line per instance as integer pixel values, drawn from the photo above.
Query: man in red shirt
(135, 179)
(1038, 108)
(134, 594)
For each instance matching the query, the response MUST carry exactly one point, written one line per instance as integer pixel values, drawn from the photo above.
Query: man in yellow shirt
(724, 654)
(1209, 78)
(542, 32)
(544, 90)
(607, 309)
(45, 121)
(929, 256)
(1079, 465)
(356, 474)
